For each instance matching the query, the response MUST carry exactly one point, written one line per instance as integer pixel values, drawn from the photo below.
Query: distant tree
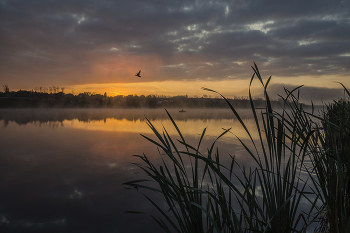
(6, 89)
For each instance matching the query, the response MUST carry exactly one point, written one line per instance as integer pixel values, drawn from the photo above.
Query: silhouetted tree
(6, 89)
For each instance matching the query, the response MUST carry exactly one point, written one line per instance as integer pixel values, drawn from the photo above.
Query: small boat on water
(182, 110)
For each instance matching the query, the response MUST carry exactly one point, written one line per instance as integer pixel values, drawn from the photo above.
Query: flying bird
(138, 74)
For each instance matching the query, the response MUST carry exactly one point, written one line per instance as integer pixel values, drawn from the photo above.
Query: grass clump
(330, 154)
(210, 196)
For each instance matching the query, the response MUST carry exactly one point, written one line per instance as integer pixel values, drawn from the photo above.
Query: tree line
(58, 99)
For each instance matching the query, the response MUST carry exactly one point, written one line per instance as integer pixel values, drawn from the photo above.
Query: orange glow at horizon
(229, 88)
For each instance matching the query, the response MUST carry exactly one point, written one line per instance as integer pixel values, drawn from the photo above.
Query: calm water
(62, 170)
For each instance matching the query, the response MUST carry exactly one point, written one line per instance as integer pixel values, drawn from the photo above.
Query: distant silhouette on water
(138, 74)
(182, 110)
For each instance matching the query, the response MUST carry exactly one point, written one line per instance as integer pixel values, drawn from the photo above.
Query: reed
(329, 152)
(270, 192)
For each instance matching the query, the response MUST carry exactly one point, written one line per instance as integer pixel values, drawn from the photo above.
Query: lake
(62, 170)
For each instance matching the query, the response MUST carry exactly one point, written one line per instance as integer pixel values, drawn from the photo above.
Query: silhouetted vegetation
(330, 153)
(299, 175)
(35, 99)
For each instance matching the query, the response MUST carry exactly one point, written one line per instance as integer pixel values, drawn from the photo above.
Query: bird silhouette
(138, 74)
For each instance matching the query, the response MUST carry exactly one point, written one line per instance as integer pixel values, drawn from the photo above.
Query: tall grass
(270, 193)
(329, 151)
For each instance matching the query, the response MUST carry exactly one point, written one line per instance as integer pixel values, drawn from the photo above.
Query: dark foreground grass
(269, 195)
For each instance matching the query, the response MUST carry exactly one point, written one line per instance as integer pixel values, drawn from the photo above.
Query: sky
(179, 46)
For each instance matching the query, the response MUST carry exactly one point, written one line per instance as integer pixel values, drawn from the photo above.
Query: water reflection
(62, 170)
(25, 116)
(191, 123)
(64, 179)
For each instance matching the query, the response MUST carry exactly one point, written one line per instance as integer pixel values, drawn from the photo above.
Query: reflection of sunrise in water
(75, 162)
(189, 127)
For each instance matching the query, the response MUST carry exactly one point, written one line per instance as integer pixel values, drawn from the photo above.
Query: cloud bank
(75, 42)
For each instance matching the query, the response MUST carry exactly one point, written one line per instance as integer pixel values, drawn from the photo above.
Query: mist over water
(24, 116)
(62, 170)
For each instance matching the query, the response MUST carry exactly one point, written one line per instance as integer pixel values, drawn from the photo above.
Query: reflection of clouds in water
(131, 167)
(64, 174)
(29, 224)
(258, 191)
(93, 161)
(112, 165)
(4, 220)
(76, 194)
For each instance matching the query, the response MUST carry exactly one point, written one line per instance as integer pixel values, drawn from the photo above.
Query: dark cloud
(318, 95)
(62, 42)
